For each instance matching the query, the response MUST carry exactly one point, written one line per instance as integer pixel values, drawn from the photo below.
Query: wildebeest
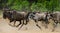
(16, 16)
(55, 16)
(38, 16)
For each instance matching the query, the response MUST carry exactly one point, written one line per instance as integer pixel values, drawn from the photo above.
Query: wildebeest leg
(14, 23)
(37, 24)
(46, 23)
(26, 22)
(46, 26)
(54, 25)
(19, 24)
(23, 21)
(56, 22)
(10, 22)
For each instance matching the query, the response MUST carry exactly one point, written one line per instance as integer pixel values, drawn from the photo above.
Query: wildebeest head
(40, 16)
(32, 14)
(7, 14)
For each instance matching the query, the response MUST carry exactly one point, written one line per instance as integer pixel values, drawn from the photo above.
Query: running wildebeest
(19, 16)
(38, 16)
(16, 16)
(55, 16)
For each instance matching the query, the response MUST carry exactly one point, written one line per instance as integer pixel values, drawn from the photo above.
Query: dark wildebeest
(55, 16)
(38, 16)
(16, 16)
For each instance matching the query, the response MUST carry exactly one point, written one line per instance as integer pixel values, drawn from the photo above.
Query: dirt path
(29, 28)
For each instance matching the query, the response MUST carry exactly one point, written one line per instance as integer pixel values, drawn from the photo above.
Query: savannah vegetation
(31, 5)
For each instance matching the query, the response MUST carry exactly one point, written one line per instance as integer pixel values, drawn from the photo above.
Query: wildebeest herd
(14, 16)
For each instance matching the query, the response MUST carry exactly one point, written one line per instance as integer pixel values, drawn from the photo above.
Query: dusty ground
(29, 28)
